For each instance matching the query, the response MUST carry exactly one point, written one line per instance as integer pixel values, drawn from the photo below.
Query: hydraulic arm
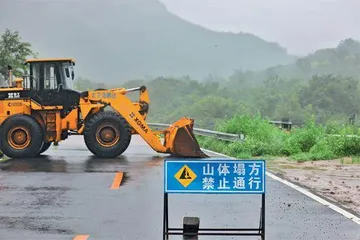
(179, 139)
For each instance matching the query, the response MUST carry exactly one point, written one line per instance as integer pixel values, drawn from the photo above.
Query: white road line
(304, 191)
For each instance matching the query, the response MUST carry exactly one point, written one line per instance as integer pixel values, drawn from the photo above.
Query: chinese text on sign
(215, 176)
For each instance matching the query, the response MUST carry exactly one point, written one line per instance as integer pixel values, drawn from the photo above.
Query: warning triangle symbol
(185, 174)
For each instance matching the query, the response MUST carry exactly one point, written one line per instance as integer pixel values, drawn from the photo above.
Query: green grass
(355, 160)
(264, 140)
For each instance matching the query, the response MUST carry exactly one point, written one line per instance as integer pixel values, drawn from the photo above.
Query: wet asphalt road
(67, 193)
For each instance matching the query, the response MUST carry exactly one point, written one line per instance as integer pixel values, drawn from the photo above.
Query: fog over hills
(123, 40)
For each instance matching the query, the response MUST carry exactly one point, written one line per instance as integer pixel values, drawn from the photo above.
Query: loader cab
(52, 82)
(50, 74)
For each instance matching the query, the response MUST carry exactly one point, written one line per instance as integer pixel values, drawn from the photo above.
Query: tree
(331, 95)
(13, 52)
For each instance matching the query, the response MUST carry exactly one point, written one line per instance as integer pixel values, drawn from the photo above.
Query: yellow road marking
(117, 180)
(81, 237)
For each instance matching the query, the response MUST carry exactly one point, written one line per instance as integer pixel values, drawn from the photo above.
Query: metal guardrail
(280, 122)
(339, 135)
(227, 136)
(205, 132)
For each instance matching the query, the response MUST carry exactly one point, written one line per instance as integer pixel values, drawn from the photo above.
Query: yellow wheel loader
(43, 108)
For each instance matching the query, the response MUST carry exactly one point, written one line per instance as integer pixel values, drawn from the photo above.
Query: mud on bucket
(186, 145)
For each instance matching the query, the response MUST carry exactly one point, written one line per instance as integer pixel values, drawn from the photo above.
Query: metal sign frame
(175, 182)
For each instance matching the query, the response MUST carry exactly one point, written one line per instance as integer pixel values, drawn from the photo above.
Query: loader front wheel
(107, 134)
(45, 147)
(21, 137)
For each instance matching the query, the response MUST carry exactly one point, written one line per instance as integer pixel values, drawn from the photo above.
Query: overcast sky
(299, 25)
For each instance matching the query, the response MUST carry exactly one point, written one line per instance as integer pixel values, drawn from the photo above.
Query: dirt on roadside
(338, 180)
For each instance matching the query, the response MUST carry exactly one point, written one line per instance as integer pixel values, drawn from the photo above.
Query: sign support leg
(166, 218)
(263, 216)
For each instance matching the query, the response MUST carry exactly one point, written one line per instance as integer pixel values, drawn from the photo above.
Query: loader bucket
(185, 144)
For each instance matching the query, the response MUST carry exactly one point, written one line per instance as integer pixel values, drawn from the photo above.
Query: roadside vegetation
(309, 142)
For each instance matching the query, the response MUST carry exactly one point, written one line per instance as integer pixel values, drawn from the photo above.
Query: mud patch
(338, 180)
(63, 189)
(47, 196)
(37, 224)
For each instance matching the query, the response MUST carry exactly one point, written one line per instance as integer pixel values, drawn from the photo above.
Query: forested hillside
(123, 40)
(344, 60)
(327, 88)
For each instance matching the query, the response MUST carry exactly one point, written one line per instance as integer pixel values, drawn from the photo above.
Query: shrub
(303, 139)
(311, 142)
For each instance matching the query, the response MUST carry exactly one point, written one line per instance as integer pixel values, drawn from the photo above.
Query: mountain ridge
(125, 40)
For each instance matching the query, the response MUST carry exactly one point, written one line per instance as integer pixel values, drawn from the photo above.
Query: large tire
(45, 147)
(107, 134)
(21, 137)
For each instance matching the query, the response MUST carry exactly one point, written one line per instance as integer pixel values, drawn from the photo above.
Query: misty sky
(301, 26)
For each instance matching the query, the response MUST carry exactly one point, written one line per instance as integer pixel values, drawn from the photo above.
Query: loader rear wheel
(21, 137)
(107, 134)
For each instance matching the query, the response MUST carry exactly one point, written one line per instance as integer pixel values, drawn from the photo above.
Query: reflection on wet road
(69, 192)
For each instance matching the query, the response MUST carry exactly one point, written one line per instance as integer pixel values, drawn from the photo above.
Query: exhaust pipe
(10, 75)
(142, 89)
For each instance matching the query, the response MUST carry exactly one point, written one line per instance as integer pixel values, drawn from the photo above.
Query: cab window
(50, 77)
